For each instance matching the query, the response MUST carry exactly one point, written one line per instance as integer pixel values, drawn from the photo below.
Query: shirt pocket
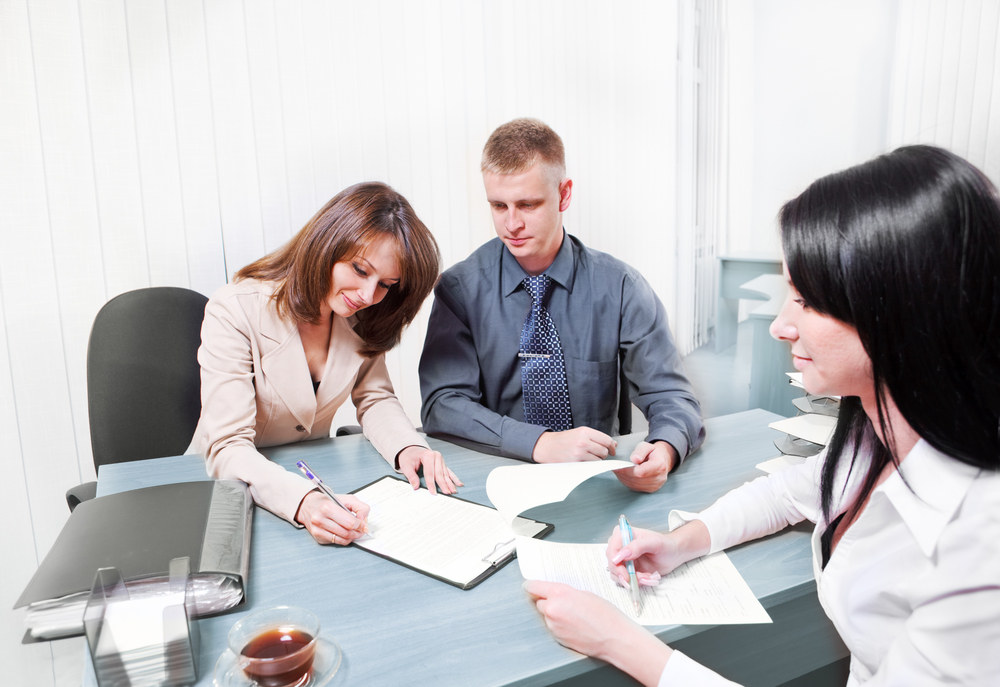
(593, 392)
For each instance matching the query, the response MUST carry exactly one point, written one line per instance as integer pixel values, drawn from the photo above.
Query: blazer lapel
(285, 367)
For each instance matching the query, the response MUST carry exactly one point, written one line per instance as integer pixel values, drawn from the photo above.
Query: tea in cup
(276, 647)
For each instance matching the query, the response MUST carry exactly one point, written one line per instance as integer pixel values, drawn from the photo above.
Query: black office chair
(143, 378)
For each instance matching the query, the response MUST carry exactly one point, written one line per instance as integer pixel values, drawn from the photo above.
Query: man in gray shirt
(489, 326)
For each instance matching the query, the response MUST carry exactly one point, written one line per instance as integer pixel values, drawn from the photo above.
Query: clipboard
(476, 548)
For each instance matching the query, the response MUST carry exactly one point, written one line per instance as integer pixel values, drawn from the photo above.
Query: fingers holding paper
(328, 523)
(573, 445)
(653, 463)
(437, 475)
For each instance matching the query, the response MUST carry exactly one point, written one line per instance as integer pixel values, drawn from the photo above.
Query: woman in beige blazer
(299, 331)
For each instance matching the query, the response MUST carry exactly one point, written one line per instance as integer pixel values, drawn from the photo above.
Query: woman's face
(365, 279)
(825, 350)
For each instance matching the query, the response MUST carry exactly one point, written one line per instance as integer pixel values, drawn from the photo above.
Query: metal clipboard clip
(501, 553)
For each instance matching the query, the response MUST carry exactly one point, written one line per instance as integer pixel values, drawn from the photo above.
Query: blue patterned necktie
(543, 370)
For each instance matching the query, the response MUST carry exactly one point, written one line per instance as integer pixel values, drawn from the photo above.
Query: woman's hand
(589, 624)
(412, 458)
(328, 523)
(656, 554)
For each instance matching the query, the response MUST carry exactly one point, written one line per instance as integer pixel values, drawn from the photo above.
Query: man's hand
(653, 462)
(573, 446)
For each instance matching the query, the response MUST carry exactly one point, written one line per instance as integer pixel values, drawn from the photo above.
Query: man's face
(527, 214)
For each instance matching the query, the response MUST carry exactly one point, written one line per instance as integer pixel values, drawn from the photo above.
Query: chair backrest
(143, 377)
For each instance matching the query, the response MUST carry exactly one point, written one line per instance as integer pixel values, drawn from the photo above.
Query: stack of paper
(808, 432)
(137, 645)
(708, 590)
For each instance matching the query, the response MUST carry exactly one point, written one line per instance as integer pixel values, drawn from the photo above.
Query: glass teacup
(275, 647)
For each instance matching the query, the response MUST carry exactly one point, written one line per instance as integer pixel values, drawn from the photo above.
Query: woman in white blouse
(894, 305)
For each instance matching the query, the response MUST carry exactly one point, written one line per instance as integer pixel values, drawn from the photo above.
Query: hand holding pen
(633, 582)
(328, 517)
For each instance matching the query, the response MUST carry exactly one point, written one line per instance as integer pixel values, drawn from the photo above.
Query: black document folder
(139, 532)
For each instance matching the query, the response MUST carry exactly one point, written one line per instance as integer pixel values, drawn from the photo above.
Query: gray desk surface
(396, 626)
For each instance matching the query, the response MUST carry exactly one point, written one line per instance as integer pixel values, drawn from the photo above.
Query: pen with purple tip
(315, 479)
(633, 582)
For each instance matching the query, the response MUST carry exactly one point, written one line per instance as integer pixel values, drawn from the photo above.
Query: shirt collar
(934, 489)
(560, 271)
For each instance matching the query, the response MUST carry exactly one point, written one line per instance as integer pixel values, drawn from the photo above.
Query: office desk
(396, 626)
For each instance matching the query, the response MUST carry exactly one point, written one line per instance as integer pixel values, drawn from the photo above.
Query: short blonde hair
(517, 145)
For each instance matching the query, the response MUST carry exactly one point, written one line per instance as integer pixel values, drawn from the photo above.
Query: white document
(812, 427)
(443, 536)
(516, 488)
(705, 591)
(780, 463)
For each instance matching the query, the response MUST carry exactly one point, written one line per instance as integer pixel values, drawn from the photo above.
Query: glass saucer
(324, 667)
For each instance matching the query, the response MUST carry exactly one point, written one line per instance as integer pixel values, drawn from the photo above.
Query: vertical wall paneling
(73, 218)
(946, 86)
(235, 141)
(113, 140)
(986, 87)
(37, 422)
(156, 143)
(269, 140)
(196, 162)
(294, 98)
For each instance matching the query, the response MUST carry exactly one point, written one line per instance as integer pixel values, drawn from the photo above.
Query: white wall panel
(235, 142)
(197, 170)
(269, 139)
(39, 457)
(156, 144)
(113, 141)
(946, 88)
(73, 217)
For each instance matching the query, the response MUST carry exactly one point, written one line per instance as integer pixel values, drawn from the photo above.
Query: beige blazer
(256, 391)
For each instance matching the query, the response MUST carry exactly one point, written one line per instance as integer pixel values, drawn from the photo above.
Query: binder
(480, 557)
(139, 532)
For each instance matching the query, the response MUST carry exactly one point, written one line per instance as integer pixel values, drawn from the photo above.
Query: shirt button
(299, 428)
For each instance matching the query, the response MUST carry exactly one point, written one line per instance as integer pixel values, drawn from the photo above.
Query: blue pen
(314, 478)
(626, 530)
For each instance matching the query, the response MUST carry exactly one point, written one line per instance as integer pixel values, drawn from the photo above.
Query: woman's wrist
(636, 651)
(693, 540)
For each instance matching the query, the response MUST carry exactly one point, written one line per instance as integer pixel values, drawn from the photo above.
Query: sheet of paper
(444, 536)
(516, 488)
(780, 463)
(706, 591)
(812, 427)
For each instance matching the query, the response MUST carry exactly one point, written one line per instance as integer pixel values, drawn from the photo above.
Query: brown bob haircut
(354, 219)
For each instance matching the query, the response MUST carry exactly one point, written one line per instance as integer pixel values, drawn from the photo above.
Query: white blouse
(913, 586)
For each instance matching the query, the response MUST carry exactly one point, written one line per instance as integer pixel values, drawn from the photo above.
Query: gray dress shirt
(470, 375)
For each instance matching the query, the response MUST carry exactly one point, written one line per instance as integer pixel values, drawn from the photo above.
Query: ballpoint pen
(315, 479)
(626, 531)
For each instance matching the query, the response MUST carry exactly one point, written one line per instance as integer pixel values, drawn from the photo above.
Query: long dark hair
(343, 228)
(906, 249)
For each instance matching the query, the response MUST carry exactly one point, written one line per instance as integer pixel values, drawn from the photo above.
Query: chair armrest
(80, 493)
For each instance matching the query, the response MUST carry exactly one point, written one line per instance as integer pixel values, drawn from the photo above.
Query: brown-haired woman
(301, 329)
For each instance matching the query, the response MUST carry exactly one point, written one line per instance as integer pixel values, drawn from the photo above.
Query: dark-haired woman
(894, 304)
(299, 331)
